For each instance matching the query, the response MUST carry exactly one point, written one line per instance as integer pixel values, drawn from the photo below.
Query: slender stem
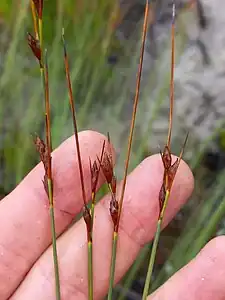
(135, 105)
(55, 256)
(92, 211)
(40, 27)
(44, 73)
(34, 16)
(130, 139)
(152, 260)
(75, 127)
(134, 271)
(72, 107)
(48, 180)
(90, 271)
(154, 249)
(113, 265)
(90, 236)
(90, 252)
(165, 205)
(172, 76)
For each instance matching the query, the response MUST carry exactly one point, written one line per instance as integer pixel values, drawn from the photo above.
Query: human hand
(26, 266)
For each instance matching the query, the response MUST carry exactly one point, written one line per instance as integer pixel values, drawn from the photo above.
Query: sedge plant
(104, 160)
(115, 205)
(170, 168)
(45, 149)
(88, 214)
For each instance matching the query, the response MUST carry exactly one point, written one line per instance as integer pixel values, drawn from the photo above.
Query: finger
(24, 217)
(201, 279)
(137, 227)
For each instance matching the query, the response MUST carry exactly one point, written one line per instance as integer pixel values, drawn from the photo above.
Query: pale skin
(26, 268)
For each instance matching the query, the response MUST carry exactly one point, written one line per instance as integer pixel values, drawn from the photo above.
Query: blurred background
(103, 40)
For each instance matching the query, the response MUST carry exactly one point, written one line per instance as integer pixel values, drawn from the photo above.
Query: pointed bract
(94, 175)
(35, 46)
(162, 196)
(88, 221)
(39, 7)
(107, 168)
(114, 212)
(166, 158)
(171, 173)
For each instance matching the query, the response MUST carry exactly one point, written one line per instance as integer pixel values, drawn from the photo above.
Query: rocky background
(199, 110)
(199, 101)
(199, 70)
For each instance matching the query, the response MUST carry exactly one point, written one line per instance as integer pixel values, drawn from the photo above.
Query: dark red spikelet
(34, 45)
(44, 156)
(45, 183)
(114, 212)
(39, 7)
(40, 13)
(107, 168)
(166, 158)
(42, 150)
(162, 196)
(36, 4)
(94, 175)
(171, 173)
(88, 221)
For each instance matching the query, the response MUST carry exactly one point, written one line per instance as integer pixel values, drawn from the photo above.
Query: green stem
(152, 260)
(90, 253)
(133, 271)
(113, 265)
(40, 27)
(50, 183)
(92, 209)
(54, 247)
(90, 271)
(154, 248)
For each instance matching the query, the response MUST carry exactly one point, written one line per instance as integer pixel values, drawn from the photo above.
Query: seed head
(107, 168)
(172, 172)
(114, 211)
(88, 221)
(35, 46)
(166, 158)
(39, 7)
(94, 175)
(162, 196)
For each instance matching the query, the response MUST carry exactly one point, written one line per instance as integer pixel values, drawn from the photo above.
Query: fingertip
(88, 139)
(202, 278)
(182, 187)
(25, 213)
(184, 173)
(141, 200)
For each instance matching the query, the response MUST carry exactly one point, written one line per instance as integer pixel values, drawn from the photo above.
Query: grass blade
(36, 45)
(169, 168)
(88, 217)
(115, 207)
(113, 265)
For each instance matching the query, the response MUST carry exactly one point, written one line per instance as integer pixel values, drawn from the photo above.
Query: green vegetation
(102, 91)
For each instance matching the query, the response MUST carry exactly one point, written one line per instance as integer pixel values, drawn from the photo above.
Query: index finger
(24, 218)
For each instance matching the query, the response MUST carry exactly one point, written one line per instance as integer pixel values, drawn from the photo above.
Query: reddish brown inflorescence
(88, 220)
(45, 157)
(94, 175)
(39, 7)
(107, 168)
(35, 46)
(114, 212)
